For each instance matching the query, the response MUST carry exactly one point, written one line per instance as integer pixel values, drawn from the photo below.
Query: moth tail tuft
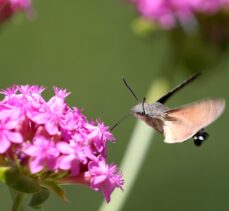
(200, 137)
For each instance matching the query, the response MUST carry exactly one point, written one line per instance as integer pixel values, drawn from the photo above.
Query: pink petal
(65, 148)
(40, 118)
(9, 113)
(14, 137)
(52, 163)
(75, 168)
(12, 124)
(31, 150)
(51, 127)
(65, 162)
(36, 165)
(4, 144)
(99, 179)
(107, 190)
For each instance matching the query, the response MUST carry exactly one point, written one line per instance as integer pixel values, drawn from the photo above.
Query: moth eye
(141, 113)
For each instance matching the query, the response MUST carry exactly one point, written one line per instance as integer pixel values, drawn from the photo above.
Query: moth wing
(182, 123)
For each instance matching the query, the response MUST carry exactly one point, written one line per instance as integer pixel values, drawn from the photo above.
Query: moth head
(140, 110)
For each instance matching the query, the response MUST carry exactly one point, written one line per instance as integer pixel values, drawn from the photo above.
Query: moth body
(153, 114)
(179, 124)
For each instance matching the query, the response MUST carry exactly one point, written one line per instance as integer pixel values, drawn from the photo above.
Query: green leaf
(52, 186)
(39, 198)
(21, 182)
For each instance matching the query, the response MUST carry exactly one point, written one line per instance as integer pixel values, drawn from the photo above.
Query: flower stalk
(17, 202)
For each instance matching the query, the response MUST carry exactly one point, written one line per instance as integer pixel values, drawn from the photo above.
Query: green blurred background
(87, 47)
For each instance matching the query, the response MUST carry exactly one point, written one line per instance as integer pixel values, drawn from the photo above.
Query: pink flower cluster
(168, 12)
(49, 136)
(9, 7)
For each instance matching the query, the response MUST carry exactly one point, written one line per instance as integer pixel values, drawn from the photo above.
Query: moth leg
(200, 136)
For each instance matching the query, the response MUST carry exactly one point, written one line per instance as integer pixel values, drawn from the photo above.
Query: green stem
(17, 203)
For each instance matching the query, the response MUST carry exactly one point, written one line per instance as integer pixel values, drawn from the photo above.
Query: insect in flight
(179, 124)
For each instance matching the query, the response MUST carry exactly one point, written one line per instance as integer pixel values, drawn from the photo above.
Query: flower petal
(65, 162)
(65, 148)
(40, 118)
(51, 127)
(31, 150)
(36, 165)
(4, 144)
(14, 137)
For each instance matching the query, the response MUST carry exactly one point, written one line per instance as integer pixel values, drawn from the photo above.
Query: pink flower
(50, 113)
(104, 177)
(74, 155)
(25, 4)
(99, 135)
(51, 138)
(9, 7)
(43, 153)
(9, 121)
(73, 120)
(168, 12)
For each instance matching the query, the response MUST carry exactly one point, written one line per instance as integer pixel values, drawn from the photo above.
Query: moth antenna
(132, 92)
(119, 121)
(164, 98)
(143, 108)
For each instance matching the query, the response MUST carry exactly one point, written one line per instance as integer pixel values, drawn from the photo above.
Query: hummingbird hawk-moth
(178, 124)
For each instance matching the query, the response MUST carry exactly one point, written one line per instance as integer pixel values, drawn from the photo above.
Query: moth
(182, 123)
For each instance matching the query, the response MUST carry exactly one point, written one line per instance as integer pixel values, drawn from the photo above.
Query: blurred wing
(182, 123)
(164, 98)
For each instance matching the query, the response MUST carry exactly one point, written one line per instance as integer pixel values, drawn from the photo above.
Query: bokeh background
(87, 47)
